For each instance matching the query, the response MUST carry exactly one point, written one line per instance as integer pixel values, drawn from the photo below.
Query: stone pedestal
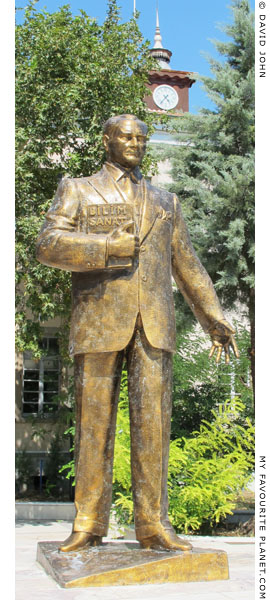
(125, 563)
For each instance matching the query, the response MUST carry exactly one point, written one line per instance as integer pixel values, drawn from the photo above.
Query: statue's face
(126, 144)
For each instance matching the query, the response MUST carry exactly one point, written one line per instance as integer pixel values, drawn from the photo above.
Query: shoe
(80, 539)
(165, 540)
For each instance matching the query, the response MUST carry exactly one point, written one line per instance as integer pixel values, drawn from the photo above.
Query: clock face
(165, 97)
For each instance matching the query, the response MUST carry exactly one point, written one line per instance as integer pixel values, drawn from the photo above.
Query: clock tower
(169, 88)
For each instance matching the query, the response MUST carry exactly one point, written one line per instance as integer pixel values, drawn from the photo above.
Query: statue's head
(124, 140)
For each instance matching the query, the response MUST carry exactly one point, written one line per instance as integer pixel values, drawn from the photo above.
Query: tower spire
(162, 55)
(157, 38)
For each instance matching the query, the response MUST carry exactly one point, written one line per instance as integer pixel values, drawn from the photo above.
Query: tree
(213, 168)
(71, 76)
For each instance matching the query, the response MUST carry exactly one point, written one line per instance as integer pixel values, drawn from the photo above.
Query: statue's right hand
(122, 243)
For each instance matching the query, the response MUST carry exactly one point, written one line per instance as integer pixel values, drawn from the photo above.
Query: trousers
(97, 383)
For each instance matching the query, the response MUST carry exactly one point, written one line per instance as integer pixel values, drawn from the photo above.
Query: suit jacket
(107, 299)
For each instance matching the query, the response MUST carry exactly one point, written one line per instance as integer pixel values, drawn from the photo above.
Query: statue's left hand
(222, 338)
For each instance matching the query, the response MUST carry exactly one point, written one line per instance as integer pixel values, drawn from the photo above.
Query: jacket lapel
(149, 212)
(105, 187)
(103, 184)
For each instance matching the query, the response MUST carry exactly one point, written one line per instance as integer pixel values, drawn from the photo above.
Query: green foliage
(209, 470)
(71, 76)
(206, 471)
(24, 470)
(200, 385)
(122, 493)
(121, 473)
(61, 417)
(70, 466)
(26, 467)
(53, 465)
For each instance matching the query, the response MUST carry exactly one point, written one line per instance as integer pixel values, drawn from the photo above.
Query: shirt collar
(118, 172)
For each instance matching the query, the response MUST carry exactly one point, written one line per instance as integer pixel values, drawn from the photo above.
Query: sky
(187, 29)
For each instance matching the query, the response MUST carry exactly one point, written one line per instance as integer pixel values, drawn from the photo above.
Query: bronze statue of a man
(123, 240)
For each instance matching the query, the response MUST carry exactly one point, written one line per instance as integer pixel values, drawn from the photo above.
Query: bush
(209, 470)
(122, 492)
(24, 472)
(52, 468)
(206, 471)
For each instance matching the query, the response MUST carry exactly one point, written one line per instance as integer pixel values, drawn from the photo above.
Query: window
(41, 379)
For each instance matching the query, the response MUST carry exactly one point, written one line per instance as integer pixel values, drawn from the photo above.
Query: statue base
(125, 563)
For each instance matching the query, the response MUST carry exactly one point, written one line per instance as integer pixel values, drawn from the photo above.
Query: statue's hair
(112, 123)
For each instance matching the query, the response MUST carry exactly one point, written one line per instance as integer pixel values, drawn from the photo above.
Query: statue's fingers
(219, 354)
(227, 353)
(212, 351)
(234, 347)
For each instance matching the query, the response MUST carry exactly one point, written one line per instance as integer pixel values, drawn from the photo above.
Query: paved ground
(33, 583)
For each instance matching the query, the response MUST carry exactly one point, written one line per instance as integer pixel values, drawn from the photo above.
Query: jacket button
(144, 278)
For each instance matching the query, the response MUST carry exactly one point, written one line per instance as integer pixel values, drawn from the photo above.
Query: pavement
(33, 583)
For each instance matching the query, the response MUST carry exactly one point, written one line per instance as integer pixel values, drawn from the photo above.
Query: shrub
(122, 493)
(24, 471)
(206, 471)
(209, 470)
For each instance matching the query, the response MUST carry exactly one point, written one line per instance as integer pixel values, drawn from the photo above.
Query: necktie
(131, 188)
(128, 187)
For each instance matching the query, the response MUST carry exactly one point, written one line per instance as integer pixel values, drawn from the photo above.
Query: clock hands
(166, 97)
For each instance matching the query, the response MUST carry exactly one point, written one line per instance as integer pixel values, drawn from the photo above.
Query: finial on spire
(157, 19)
(157, 38)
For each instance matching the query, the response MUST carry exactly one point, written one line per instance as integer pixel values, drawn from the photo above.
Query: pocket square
(165, 215)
